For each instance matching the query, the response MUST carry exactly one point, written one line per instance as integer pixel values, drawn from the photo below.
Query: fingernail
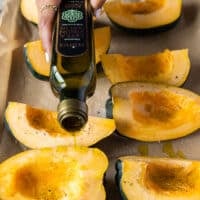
(47, 57)
(98, 12)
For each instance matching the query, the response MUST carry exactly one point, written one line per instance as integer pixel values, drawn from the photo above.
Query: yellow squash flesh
(102, 39)
(37, 128)
(29, 10)
(159, 178)
(74, 173)
(170, 67)
(145, 14)
(154, 112)
(35, 54)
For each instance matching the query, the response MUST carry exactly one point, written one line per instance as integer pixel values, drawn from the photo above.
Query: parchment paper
(18, 84)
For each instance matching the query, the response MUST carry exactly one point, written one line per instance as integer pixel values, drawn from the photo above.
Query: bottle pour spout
(72, 114)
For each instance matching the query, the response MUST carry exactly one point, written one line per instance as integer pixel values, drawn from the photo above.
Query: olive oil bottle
(73, 70)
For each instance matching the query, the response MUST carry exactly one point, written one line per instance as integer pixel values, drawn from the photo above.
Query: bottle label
(72, 28)
(72, 16)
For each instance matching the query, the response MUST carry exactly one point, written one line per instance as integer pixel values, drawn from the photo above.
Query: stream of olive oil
(75, 140)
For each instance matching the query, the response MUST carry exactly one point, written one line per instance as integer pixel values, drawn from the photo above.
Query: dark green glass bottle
(73, 70)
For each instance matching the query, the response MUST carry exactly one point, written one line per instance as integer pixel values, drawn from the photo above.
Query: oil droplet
(143, 149)
(169, 150)
(180, 154)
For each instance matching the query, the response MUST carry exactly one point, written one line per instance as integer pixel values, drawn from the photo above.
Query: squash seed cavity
(155, 106)
(44, 120)
(170, 179)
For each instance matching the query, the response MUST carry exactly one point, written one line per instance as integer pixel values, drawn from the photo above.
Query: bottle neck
(76, 93)
(72, 114)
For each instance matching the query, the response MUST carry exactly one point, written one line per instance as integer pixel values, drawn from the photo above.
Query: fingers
(47, 11)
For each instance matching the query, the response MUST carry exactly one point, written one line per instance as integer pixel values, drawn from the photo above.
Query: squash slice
(150, 178)
(37, 128)
(29, 10)
(54, 174)
(154, 112)
(35, 55)
(143, 15)
(170, 67)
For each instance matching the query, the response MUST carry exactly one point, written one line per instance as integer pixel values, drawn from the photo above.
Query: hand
(46, 20)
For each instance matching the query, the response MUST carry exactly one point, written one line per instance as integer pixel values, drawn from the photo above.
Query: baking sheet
(17, 83)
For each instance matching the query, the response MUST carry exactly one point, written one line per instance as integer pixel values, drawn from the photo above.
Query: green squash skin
(9, 130)
(31, 69)
(7, 127)
(118, 177)
(147, 31)
(29, 21)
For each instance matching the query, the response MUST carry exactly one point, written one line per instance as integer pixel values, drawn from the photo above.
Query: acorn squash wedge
(154, 112)
(29, 10)
(37, 128)
(143, 15)
(35, 55)
(170, 67)
(73, 173)
(150, 178)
